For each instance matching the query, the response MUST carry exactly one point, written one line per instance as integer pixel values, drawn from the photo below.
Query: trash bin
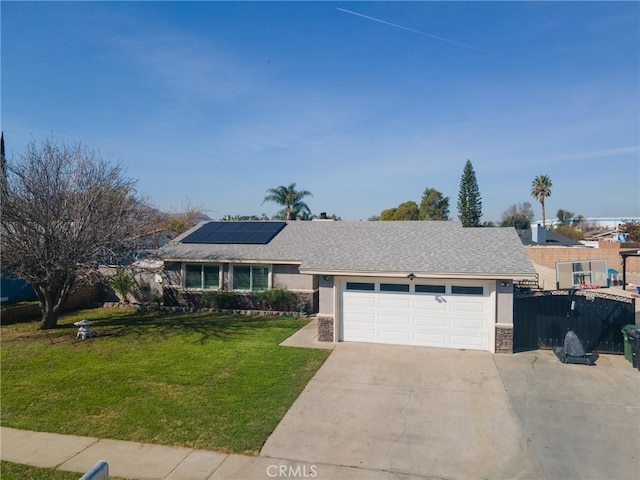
(634, 339)
(627, 341)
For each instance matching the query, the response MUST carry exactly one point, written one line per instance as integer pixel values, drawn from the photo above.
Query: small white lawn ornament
(84, 329)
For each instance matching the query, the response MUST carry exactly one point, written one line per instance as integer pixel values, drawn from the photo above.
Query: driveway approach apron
(413, 410)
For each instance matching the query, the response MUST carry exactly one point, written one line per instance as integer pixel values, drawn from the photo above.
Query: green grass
(14, 471)
(199, 380)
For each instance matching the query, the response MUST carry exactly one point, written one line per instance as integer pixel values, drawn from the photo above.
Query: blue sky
(365, 104)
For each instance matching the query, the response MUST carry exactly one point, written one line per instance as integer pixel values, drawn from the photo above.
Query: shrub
(277, 299)
(143, 291)
(156, 299)
(123, 283)
(633, 229)
(570, 232)
(219, 299)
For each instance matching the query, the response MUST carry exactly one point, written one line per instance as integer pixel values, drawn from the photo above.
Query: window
(394, 287)
(467, 290)
(250, 277)
(201, 276)
(430, 289)
(360, 286)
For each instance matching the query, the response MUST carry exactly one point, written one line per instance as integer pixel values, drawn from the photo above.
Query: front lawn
(198, 380)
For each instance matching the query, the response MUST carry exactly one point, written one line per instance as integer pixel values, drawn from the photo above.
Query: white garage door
(454, 315)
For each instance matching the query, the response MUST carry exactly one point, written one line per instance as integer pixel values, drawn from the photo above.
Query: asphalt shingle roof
(376, 247)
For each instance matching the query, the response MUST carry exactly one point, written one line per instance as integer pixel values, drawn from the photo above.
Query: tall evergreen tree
(469, 201)
(3, 164)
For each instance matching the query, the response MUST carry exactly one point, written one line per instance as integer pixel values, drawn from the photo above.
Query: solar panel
(242, 233)
(235, 237)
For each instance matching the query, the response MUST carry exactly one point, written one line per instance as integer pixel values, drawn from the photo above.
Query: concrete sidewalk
(141, 461)
(307, 337)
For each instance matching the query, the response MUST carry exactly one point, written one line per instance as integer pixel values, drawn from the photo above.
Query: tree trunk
(49, 319)
(544, 224)
(52, 300)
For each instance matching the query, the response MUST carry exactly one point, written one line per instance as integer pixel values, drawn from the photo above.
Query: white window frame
(201, 265)
(250, 265)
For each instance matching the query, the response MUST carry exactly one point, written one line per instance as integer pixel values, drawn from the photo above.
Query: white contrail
(436, 37)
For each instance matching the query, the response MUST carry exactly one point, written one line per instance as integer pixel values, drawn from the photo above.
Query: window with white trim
(201, 275)
(250, 277)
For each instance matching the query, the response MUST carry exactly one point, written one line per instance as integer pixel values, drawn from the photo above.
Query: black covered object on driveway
(573, 351)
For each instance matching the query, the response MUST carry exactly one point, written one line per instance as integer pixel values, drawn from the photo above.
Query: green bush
(277, 300)
(156, 299)
(123, 283)
(219, 299)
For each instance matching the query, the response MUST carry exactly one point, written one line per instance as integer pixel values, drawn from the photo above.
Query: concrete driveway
(581, 422)
(442, 413)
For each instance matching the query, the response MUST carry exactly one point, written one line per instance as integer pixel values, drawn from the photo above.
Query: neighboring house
(538, 236)
(13, 290)
(601, 222)
(546, 249)
(413, 283)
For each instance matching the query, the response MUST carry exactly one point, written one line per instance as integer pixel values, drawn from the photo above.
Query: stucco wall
(284, 276)
(546, 277)
(504, 302)
(289, 277)
(325, 288)
(172, 273)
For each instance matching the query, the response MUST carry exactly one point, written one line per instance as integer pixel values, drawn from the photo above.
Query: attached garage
(453, 314)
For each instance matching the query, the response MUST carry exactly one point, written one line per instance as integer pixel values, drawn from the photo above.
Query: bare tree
(64, 210)
(518, 216)
(176, 223)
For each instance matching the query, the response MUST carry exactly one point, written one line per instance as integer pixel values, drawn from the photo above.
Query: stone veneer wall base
(504, 338)
(325, 329)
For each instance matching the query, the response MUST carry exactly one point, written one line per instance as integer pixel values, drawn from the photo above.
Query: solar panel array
(246, 233)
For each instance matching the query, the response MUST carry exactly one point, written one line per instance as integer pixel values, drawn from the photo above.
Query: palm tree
(290, 199)
(541, 189)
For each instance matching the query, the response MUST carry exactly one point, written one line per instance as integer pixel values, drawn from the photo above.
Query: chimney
(538, 234)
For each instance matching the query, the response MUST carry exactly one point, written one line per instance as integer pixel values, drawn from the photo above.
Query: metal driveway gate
(542, 319)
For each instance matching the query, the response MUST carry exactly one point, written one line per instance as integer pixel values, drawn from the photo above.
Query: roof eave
(232, 260)
(451, 275)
